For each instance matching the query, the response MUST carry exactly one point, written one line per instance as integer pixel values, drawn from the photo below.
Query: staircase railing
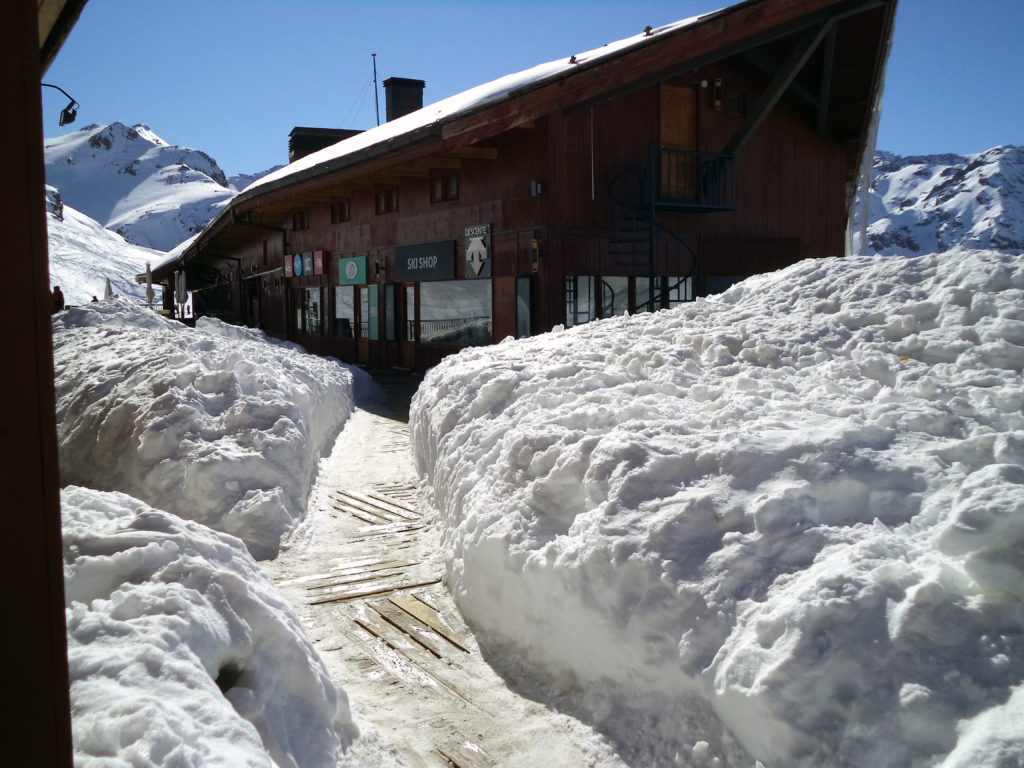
(634, 231)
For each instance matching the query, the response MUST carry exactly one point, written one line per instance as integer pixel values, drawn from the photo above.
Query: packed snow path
(364, 574)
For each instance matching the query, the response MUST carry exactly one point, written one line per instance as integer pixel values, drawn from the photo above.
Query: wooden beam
(827, 67)
(798, 57)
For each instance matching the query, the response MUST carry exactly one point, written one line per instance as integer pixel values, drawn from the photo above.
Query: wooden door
(678, 137)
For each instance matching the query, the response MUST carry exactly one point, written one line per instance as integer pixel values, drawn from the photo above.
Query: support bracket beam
(807, 45)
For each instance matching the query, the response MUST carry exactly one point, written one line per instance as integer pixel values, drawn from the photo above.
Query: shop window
(300, 220)
(386, 201)
(456, 312)
(344, 311)
(314, 311)
(579, 300)
(444, 188)
(340, 211)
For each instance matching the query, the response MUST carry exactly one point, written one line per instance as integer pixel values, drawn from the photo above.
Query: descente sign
(424, 261)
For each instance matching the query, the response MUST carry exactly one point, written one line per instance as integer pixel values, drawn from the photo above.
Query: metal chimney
(402, 95)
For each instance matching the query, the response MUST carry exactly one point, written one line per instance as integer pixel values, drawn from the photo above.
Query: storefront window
(344, 311)
(314, 313)
(456, 312)
(579, 300)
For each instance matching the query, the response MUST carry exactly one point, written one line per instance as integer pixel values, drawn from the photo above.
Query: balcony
(691, 182)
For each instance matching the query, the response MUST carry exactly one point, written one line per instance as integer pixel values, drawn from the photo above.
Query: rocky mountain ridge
(934, 203)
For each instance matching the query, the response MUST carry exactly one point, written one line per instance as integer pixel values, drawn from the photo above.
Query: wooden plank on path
(358, 578)
(465, 755)
(423, 612)
(383, 589)
(359, 515)
(402, 621)
(377, 501)
(365, 512)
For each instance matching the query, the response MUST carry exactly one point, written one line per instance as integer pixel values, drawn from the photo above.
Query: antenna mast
(376, 98)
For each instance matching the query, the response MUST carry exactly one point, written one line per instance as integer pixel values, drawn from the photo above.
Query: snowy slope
(134, 183)
(83, 255)
(935, 203)
(785, 523)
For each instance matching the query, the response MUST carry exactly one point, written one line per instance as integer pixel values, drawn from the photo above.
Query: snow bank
(215, 424)
(181, 652)
(782, 523)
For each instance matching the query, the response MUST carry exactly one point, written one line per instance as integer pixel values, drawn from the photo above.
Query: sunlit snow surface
(782, 523)
(217, 424)
(163, 614)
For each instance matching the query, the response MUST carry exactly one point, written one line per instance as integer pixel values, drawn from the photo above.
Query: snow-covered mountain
(935, 203)
(133, 182)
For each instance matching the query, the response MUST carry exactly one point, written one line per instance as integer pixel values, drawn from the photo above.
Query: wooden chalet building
(638, 175)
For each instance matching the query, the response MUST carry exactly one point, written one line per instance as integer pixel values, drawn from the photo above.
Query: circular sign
(351, 270)
(297, 265)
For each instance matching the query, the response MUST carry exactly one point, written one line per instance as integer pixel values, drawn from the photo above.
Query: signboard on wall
(478, 251)
(424, 261)
(308, 263)
(352, 270)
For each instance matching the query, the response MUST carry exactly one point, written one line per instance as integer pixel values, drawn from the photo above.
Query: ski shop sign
(478, 251)
(424, 261)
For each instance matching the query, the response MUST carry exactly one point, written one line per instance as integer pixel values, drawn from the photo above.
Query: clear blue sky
(232, 77)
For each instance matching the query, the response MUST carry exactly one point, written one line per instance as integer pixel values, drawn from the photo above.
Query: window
(344, 311)
(523, 305)
(386, 201)
(314, 313)
(300, 219)
(579, 300)
(614, 296)
(444, 188)
(340, 211)
(456, 312)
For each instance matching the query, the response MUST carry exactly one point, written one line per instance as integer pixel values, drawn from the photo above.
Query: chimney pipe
(402, 95)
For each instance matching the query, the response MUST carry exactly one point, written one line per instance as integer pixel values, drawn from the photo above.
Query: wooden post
(35, 721)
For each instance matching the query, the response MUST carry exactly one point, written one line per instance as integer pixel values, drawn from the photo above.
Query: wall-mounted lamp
(70, 112)
(536, 188)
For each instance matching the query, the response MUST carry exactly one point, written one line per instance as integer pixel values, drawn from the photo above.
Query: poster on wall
(478, 251)
(352, 270)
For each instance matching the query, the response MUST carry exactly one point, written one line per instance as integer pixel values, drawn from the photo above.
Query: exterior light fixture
(70, 112)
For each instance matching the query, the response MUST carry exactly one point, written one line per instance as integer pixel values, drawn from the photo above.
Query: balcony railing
(687, 180)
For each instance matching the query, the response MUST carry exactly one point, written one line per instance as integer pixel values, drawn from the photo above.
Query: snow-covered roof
(464, 103)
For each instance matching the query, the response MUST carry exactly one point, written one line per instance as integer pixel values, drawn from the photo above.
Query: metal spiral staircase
(681, 181)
